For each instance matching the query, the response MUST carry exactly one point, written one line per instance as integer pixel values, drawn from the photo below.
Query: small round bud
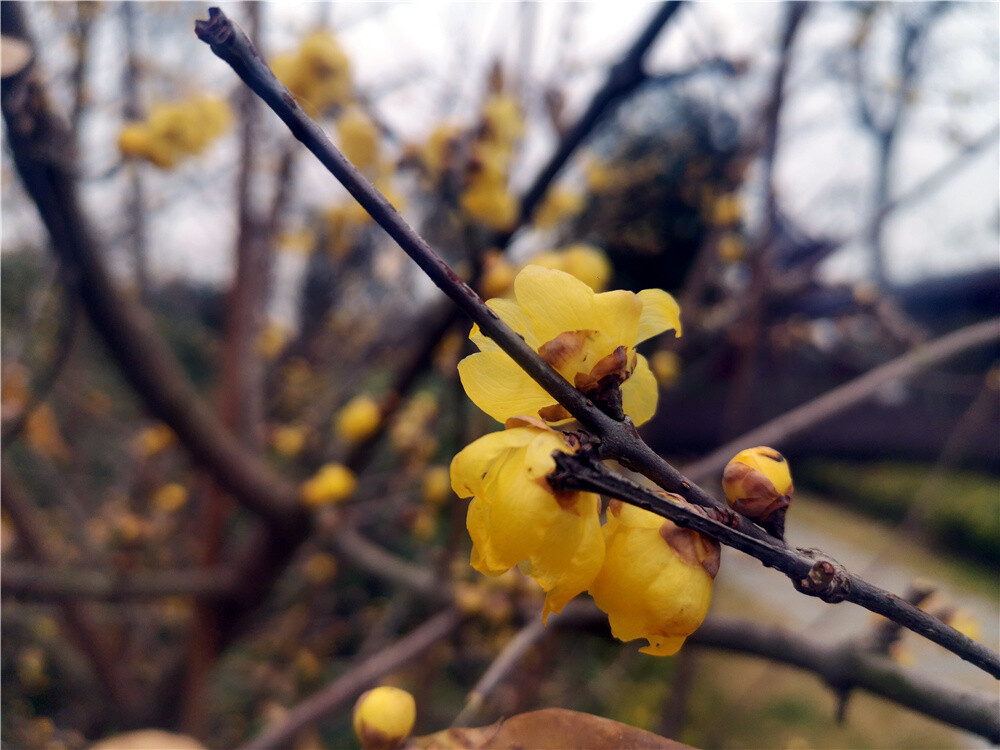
(758, 485)
(384, 717)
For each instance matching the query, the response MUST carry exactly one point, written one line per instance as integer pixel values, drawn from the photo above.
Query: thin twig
(811, 574)
(34, 582)
(791, 423)
(338, 694)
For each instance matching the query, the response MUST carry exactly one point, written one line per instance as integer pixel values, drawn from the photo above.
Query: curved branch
(43, 582)
(811, 574)
(781, 428)
(338, 694)
(39, 144)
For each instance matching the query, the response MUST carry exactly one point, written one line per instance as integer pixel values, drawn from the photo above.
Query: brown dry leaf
(148, 739)
(548, 729)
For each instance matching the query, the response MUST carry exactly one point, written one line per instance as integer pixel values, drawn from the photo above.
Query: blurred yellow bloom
(502, 118)
(438, 154)
(358, 138)
(435, 487)
(726, 210)
(272, 339)
(333, 483)
(559, 205)
(174, 130)
(153, 440)
(515, 518)
(490, 204)
(656, 581)
(588, 263)
(666, 366)
(498, 275)
(588, 338)
(384, 717)
(358, 419)
(170, 498)
(320, 567)
(318, 74)
(731, 248)
(289, 440)
(43, 433)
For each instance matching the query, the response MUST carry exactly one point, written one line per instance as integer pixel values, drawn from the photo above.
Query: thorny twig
(809, 570)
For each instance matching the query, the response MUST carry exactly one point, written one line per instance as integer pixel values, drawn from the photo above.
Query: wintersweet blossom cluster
(175, 130)
(318, 73)
(653, 579)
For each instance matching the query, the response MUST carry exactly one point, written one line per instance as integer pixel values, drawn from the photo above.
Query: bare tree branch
(809, 571)
(338, 694)
(780, 429)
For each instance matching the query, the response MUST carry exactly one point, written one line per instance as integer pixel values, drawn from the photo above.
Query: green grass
(958, 509)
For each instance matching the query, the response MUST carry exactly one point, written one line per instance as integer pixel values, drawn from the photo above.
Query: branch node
(826, 579)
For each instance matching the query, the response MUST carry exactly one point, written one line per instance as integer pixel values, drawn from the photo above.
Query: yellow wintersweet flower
(358, 138)
(435, 487)
(666, 367)
(588, 338)
(515, 518)
(358, 419)
(170, 497)
(289, 440)
(332, 484)
(498, 275)
(155, 439)
(656, 581)
(758, 485)
(502, 119)
(588, 263)
(558, 206)
(490, 203)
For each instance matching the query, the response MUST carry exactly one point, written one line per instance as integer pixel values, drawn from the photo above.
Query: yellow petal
(660, 312)
(510, 313)
(553, 301)
(640, 393)
(663, 645)
(499, 387)
(520, 513)
(477, 521)
(472, 462)
(570, 556)
(617, 314)
(538, 461)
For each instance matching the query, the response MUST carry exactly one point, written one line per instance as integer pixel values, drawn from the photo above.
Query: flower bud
(383, 718)
(758, 485)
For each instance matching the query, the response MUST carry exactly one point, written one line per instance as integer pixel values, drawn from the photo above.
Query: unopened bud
(384, 717)
(758, 485)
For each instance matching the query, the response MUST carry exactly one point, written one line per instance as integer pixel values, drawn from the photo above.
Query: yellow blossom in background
(559, 205)
(600, 176)
(272, 339)
(438, 154)
(965, 623)
(489, 202)
(587, 263)
(320, 568)
(424, 525)
(358, 419)
(498, 275)
(503, 121)
(332, 484)
(154, 440)
(318, 74)
(666, 366)
(588, 338)
(384, 717)
(43, 434)
(656, 580)
(296, 242)
(515, 518)
(435, 487)
(359, 138)
(170, 498)
(289, 440)
(726, 210)
(343, 225)
(731, 248)
(175, 130)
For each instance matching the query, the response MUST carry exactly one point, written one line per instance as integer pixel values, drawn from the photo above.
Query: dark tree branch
(810, 572)
(34, 582)
(337, 695)
(791, 423)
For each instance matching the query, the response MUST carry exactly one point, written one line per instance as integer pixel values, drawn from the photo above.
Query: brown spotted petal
(753, 494)
(692, 548)
(566, 348)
